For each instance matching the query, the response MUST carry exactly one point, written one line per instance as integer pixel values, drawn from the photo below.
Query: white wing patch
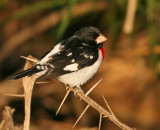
(71, 67)
(91, 57)
(86, 56)
(41, 67)
(38, 67)
(55, 50)
(69, 54)
(73, 60)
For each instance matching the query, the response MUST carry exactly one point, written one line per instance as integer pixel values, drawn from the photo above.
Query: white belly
(80, 77)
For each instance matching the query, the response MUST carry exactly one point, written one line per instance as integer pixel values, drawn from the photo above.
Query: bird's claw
(77, 90)
(67, 88)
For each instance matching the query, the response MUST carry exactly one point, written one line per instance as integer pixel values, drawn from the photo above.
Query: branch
(7, 116)
(28, 84)
(63, 101)
(100, 121)
(81, 115)
(100, 109)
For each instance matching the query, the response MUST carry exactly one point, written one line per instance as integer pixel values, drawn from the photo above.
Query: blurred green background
(130, 71)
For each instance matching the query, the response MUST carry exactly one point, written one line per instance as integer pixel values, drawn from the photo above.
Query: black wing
(73, 52)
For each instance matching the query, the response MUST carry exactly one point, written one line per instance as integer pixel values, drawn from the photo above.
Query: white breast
(80, 77)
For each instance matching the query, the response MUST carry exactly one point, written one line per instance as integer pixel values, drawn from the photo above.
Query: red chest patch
(102, 52)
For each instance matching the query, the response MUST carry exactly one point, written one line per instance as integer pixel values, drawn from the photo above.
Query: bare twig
(93, 87)
(30, 59)
(7, 116)
(28, 84)
(68, 91)
(1, 124)
(100, 121)
(100, 109)
(14, 95)
(42, 82)
(109, 107)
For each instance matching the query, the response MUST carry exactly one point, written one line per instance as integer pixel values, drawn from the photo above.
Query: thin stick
(81, 115)
(100, 109)
(14, 95)
(100, 122)
(2, 123)
(108, 106)
(7, 116)
(63, 101)
(30, 59)
(42, 82)
(28, 84)
(93, 87)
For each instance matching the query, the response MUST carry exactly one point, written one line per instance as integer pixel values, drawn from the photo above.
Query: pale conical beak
(100, 39)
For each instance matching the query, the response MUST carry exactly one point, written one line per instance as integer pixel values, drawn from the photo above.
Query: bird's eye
(91, 38)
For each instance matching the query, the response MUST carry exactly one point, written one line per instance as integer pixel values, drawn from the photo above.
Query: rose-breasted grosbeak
(72, 61)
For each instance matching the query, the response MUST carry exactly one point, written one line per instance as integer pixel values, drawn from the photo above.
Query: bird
(72, 61)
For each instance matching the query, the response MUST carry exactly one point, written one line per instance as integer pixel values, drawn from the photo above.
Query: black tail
(24, 73)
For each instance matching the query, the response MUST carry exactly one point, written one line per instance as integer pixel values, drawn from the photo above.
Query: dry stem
(7, 116)
(100, 109)
(1, 124)
(100, 121)
(108, 107)
(81, 115)
(63, 101)
(93, 87)
(28, 84)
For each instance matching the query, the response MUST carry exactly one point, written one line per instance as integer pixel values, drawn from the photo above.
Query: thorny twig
(81, 115)
(100, 121)
(1, 124)
(28, 84)
(100, 109)
(87, 93)
(108, 107)
(7, 116)
(14, 95)
(63, 101)
(93, 87)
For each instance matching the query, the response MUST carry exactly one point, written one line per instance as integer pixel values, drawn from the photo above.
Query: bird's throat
(102, 52)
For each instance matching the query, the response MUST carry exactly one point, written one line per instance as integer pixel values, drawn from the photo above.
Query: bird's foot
(67, 88)
(77, 90)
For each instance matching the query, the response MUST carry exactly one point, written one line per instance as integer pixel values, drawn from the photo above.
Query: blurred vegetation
(33, 26)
